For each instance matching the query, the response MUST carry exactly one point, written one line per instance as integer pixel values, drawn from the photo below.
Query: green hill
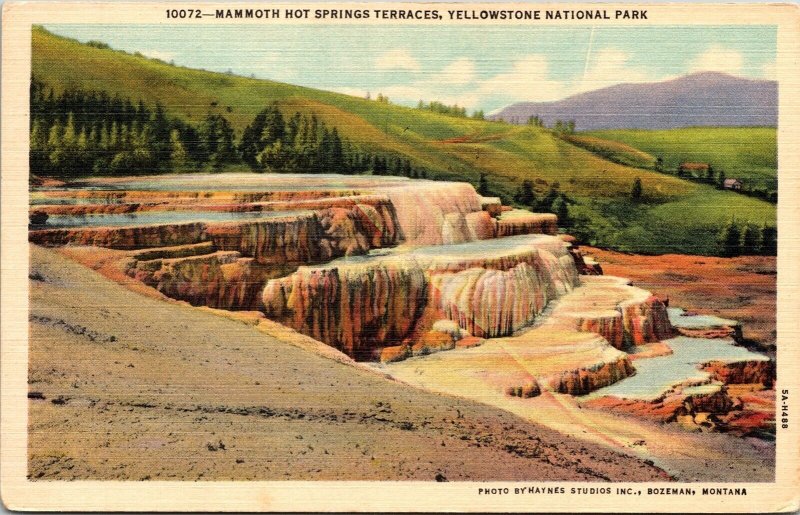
(613, 150)
(749, 154)
(673, 215)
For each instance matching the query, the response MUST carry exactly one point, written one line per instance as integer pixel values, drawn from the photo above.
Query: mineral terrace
(426, 283)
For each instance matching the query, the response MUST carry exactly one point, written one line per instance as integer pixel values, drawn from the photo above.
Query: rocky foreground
(123, 386)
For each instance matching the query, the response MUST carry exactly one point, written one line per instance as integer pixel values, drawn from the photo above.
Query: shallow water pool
(157, 218)
(678, 318)
(655, 376)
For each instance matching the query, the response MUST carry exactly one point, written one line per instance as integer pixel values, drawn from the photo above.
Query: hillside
(448, 147)
(749, 154)
(702, 99)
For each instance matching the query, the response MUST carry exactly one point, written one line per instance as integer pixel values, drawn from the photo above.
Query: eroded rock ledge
(565, 351)
(360, 305)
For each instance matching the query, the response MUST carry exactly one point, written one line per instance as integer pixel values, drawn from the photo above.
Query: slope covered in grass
(673, 215)
(746, 153)
(613, 150)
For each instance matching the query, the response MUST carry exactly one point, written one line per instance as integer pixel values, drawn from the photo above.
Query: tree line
(747, 239)
(453, 110)
(554, 201)
(79, 132)
(717, 178)
(302, 143)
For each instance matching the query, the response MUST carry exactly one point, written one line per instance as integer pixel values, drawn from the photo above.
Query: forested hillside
(99, 111)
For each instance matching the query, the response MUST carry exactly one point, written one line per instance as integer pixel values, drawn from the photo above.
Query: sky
(477, 68)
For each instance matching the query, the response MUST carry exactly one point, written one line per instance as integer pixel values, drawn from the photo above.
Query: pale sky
(478, 68)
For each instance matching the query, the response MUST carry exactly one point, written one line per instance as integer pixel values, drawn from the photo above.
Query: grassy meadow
(749, 154)
(673, 215)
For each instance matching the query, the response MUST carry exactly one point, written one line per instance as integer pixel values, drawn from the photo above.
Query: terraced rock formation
(363, 304)
(567, 352)
(380, 268)
(390, 272)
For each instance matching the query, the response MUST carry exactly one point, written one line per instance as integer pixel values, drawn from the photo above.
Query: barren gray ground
(128, 387)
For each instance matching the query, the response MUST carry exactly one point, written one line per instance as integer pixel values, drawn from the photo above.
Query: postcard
(400, 257)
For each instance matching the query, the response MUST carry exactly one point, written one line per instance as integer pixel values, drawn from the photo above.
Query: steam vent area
(391, 271)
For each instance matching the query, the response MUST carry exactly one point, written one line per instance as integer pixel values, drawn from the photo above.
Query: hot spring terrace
(379, 268)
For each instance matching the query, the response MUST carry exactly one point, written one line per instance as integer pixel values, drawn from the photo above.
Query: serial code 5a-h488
(184, 13)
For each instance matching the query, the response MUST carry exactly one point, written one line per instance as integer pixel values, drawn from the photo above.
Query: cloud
(607, 68)
(347, 90)
(397, 59)
(460, 71)
(455, 83)
(159, 54)
(272, 65)
(528, 79)
(718, 59)
(427, 91)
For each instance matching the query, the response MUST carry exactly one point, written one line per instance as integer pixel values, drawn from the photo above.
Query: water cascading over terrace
(362, 304)
(377, 267)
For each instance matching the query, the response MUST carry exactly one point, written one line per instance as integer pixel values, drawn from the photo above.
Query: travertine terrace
(384, 269)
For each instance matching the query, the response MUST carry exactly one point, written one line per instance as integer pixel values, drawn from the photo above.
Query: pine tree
(636, 189)
(273, 157)
(483, 186)
(68, 138)
(751, 240)
(54, 135)
(293, 128)
(336, 160)
(769, 240)
(82, 143)
(525, 195)
(178, 156)
(38, 159)
(216, 141)
(56, 157)
(103, 142)
(114, 137)
(94, 138)
(124, 142)
(161, 134)
(251, 143)
(730, 240)
(141, 114)
(562, 212)
(274, 126)
(547, 202)
(322, 161)
(226, 152)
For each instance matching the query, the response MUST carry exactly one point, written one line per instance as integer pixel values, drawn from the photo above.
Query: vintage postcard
(492, 257)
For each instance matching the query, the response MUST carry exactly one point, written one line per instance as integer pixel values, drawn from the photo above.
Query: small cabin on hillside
(732, 184)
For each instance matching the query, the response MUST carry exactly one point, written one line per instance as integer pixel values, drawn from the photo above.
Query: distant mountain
(701, 99)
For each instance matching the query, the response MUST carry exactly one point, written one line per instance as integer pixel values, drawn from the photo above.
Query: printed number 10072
(184, 13)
